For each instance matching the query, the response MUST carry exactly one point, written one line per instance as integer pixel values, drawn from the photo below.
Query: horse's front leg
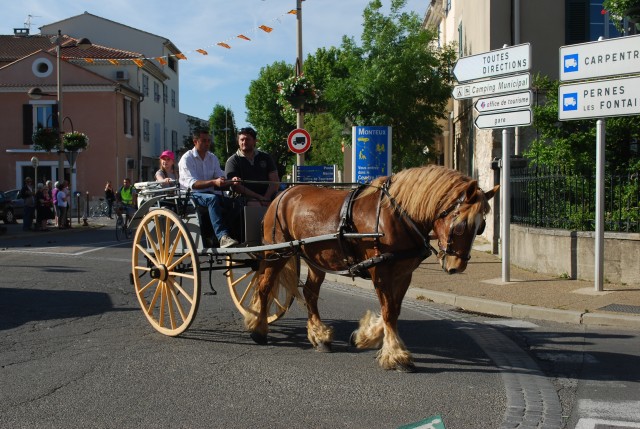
(319, 334)
(375, 331)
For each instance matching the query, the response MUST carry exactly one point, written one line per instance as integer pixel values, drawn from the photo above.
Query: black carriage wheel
(166, 272)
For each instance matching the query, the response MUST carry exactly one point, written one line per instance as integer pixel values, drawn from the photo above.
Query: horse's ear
(471, 191)
(490, 194)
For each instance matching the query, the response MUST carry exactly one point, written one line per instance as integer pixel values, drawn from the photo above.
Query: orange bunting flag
(181, 56)
(202, 51)
(224, 45)
(242, 36)
(114, 62)
(265, 28)
(293, 12)
(161, 60)
(138, 62)
(89, 60)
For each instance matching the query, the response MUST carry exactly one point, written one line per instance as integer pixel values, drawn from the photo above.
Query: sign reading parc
(597, 99)
(499, 62)
(370, 153)
(611, 57)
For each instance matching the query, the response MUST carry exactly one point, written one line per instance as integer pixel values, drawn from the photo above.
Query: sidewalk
(527, 295)
(480, 288)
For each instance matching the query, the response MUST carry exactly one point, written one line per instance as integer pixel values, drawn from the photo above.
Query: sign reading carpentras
(499, 62)
(612, 57)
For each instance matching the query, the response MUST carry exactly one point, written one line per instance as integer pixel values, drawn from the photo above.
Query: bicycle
(123, 231)
(99, 210)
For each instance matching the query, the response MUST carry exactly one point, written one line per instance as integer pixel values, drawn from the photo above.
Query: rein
(447, 250)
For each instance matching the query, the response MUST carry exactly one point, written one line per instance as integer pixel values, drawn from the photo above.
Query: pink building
(106, 110)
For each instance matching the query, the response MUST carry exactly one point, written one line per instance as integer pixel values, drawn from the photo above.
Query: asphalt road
(76, 351)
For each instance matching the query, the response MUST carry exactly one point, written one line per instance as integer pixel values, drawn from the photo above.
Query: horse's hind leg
(256, 320)
(319, 334)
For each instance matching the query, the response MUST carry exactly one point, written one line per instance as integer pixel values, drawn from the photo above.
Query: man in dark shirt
(251, 164)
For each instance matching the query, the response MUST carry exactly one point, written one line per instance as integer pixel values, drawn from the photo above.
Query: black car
(18, 203)
(6, 209)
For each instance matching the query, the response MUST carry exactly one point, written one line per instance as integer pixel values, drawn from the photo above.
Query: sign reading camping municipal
(597, 99)
(499, 62)
(611, 57)
(519, 82)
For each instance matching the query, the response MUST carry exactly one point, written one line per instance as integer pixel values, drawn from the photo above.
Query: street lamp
(36, 93)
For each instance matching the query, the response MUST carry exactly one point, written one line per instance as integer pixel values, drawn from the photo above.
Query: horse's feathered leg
(382, 330)
(256, 321)
(319, 334)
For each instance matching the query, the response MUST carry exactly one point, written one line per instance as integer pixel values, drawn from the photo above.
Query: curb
(500, 308)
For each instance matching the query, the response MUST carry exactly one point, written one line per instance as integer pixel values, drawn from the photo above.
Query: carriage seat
(244, 222)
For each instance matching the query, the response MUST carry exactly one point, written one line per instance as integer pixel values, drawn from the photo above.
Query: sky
(224, 75)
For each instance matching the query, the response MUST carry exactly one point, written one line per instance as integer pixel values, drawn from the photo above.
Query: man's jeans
(213, 203)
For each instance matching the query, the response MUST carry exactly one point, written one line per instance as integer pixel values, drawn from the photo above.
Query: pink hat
(168, 154)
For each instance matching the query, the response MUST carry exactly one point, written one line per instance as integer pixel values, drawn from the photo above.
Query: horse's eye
(458, 229)
(481, 229)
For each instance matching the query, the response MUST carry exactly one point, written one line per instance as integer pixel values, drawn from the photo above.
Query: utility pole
(300, 112)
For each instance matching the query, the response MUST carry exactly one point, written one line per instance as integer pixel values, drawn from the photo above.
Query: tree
(395, 78)
(222, 124)
(265, 115)
(620, 9)
(326, 141)
(187, 141)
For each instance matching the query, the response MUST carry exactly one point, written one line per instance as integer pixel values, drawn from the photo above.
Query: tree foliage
(222, 125)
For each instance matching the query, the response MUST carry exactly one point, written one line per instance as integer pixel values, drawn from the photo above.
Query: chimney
(20, 32)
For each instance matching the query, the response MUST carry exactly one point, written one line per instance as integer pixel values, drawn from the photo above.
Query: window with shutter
(576, 21)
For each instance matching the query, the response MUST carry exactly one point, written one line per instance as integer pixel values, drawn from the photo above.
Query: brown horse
(398, 212)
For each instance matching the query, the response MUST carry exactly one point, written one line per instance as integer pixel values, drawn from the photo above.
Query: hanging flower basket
(75, 141)
(46, 139)
(297, 91)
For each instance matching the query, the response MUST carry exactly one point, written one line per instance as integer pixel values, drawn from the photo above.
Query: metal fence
(555, 198)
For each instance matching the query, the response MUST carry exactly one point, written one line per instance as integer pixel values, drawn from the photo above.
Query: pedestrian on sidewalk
(109, 197)
(28, 195)
(61, 197)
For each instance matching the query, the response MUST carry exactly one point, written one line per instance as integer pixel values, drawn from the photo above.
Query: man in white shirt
(200, 170)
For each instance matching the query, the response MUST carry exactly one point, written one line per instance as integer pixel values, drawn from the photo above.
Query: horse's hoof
(324, 348)
(408, 368)
(259, 338)
(352, 338)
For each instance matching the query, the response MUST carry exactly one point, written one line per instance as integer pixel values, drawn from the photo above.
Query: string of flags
(163, 60)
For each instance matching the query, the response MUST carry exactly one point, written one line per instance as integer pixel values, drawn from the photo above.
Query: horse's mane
(424, 192)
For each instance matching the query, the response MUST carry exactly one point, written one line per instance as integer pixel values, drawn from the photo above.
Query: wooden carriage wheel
(243, 283)
(166, 272)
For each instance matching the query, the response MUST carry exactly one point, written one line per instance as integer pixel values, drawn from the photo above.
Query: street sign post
(598, 99)
(612, 57)
(504, 119)
(505, 85)
(514, 59)
(299, 141)
(504, 102)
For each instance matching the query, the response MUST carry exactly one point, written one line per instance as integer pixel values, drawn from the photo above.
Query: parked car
(18, 203)
(6, 209)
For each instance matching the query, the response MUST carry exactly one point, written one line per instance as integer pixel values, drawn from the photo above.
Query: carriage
(380, 231)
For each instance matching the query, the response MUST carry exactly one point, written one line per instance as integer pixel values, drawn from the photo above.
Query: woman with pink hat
(167, 172)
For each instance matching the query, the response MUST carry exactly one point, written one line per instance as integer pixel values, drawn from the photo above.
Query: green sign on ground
(433, 422)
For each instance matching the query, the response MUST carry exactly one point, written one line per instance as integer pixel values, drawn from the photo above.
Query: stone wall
(571, 253)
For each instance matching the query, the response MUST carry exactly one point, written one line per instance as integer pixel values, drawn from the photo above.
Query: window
(156, 92)
(128, 117)
(447, 7)
(43, 116)
(173, 98)
(145, 130)
(585, 22)
(460, 44)
(145, 85)
(165, 94)
(173, 63)
(174, 140)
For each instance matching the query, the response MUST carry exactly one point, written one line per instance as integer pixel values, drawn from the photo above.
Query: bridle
(456, 229)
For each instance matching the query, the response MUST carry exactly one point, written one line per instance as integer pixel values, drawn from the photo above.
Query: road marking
(599, 423)
(512, 323)
(623, 411)
(49, 251)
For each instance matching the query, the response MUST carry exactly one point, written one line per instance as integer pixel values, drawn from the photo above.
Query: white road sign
(597, 99)
(506, 119)
(504, 102)
(519, 82)
(612, 57)
(514, 59)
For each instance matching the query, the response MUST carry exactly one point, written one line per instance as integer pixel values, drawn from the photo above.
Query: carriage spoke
(167, 236)
(183, 275)
(176, 300)
(152, 304)
(142, 289)
(141, 268)
(163, 297)
(153, 260)
(177, 261)
(169, 296)
(182, 291)
(248, 290)
(150, 241)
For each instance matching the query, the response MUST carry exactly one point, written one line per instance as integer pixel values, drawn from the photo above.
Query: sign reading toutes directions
(514, 59)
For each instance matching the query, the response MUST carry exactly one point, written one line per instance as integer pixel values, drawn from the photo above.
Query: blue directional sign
(315, 173)
(570, 63)
(370, 153)
(570, 101)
